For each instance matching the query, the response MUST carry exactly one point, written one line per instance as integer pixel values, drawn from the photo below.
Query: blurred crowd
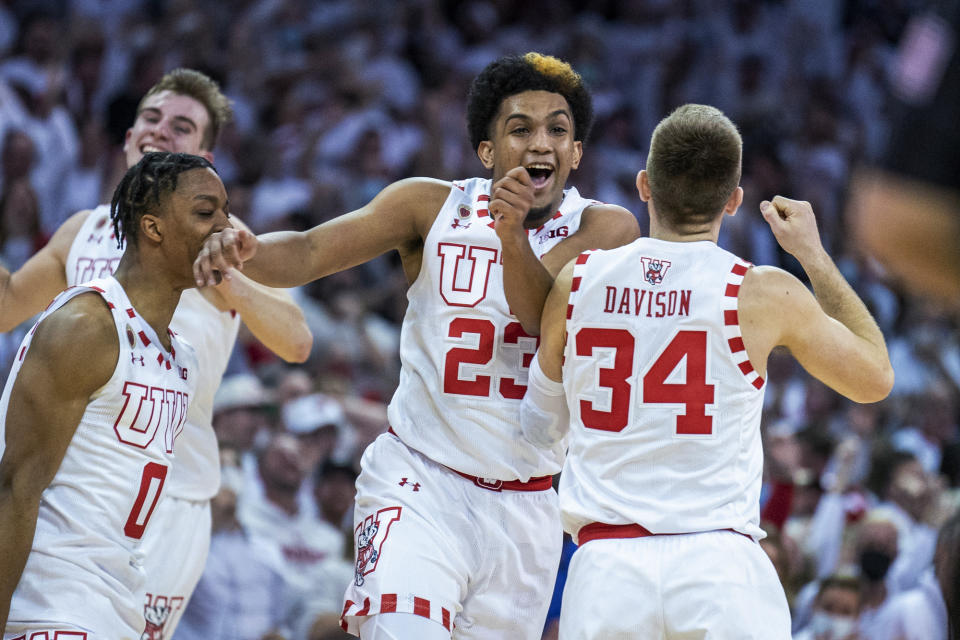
(335, 99)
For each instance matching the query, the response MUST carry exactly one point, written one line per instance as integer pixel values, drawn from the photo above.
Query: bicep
(400, 215)
(69, 358)
(601, 227)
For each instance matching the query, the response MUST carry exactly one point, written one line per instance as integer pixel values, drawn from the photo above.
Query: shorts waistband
(540, 483)
(601, 531)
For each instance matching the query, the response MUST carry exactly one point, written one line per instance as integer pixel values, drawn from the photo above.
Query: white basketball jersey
(664, 405)
(85, 564)
(94, 254)
(464, 355)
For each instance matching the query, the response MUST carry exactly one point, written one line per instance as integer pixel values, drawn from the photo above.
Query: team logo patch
(132, 339)
(463, 214)
(654, 270)
(371, 534)
(156, 616)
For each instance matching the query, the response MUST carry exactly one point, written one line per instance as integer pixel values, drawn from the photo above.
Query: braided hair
(510, 75)
(143, 185)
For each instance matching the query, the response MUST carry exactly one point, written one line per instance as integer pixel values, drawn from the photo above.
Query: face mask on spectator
(826, 626)
(874, 564)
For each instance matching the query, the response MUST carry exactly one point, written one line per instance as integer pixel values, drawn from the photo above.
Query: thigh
(613, 592)
(520, 540)
(720, 584)
(407, 558)
(175, 552)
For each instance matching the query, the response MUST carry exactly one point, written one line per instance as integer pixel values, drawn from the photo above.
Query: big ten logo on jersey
(145, 410)
(94, 268)
(371, 534)
(156, 611)
(474, 341)
(551, 234)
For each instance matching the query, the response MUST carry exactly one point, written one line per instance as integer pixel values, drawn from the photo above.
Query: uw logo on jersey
(156, 619)
(371, 534)
(654, 270)
(145, 409)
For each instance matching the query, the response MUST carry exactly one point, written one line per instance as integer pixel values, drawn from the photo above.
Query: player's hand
(510, 200)
(794, 226)
(222, 251)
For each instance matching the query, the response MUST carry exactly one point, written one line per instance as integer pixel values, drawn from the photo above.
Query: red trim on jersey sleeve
(144, 338)
(388, 603)
(583, 257)
(733, 290)
(575, 284)
(131, 313)
(569, 311)
(730, 317)
(421, 607)
(445, 616)
(736, 344)
(483, 198)
(482, 213)
(739, 269)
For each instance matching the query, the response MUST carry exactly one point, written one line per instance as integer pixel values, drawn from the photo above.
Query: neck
(150, 292)
(537, 217)
(661, 231)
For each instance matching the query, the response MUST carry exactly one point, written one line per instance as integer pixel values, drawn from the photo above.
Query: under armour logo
(415, 485)
(134, 358)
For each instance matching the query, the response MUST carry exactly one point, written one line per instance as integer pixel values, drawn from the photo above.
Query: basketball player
(661, 347)
(456, 522)
(91, 411)
(184, 112)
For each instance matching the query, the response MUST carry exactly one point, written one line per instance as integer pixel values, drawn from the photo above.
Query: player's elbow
(877, 386)
(299, 349)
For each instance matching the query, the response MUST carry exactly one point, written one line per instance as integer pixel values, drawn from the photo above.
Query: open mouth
(539, 174)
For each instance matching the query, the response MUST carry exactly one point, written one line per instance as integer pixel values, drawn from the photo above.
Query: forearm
(271, 315)
(526, 283)
(839, 301)
(18, 521)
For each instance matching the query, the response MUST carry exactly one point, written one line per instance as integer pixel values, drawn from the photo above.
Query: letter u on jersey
(464, 273)
(145, 409)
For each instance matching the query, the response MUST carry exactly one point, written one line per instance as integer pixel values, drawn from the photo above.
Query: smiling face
(534, 129)
(168, 121)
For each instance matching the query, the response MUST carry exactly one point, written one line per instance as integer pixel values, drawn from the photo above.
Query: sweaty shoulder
(612, 224)
(78, 343)
(417, 200)
(63, 237)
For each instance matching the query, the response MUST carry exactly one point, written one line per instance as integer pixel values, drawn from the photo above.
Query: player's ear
(577, 154)
(485, 153)
(151, 228)
(643, 185)
(206, 155)
(734, 202)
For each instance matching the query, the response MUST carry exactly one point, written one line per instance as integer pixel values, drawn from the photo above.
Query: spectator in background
(20, 234)
(836, 610)
(241, 594)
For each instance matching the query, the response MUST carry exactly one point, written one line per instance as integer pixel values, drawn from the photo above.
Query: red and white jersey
(94, 254)
(664, 404)
(85, 564)
(464, 355)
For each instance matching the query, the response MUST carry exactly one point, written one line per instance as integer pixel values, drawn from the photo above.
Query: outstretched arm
(270, 314)
(73, 351)
(27, 291)
(831, 332)
(398, 218)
